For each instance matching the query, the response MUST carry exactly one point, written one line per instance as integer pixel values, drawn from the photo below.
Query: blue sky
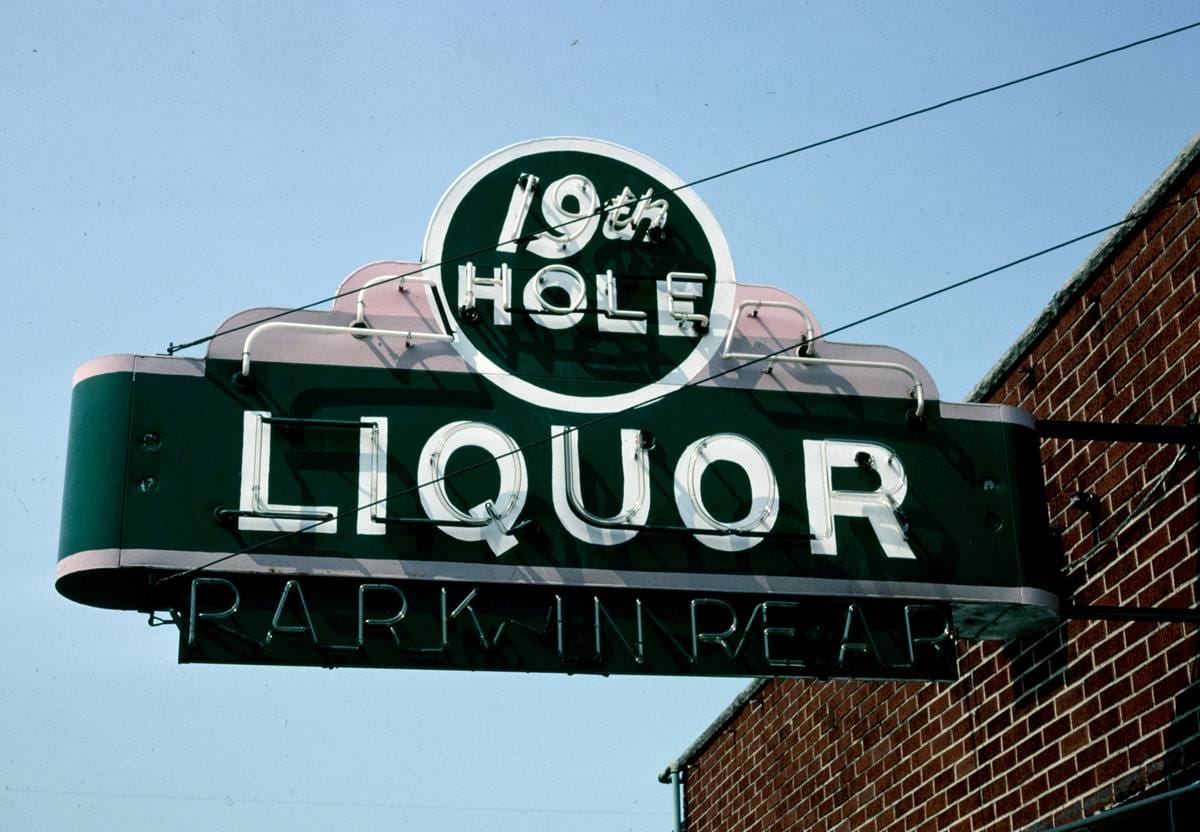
(163, 166)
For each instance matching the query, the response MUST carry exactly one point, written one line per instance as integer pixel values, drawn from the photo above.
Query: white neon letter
(764, 490)
(497, 289)
(256, 475)
(556, 277)
(676, 310)
(518, 209)
(567, 491)
(372, 474)
(502, 512)
(613, 318)
(570, 228)
(878, 506)
(625, 212)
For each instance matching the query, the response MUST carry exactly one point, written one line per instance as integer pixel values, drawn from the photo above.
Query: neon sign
(566, 440)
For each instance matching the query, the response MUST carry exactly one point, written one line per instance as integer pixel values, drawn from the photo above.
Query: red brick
(1181, 223)
(1186, 268)
(1122, 258)
(1171, 255)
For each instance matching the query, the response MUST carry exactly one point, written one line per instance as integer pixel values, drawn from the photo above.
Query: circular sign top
(580, 275)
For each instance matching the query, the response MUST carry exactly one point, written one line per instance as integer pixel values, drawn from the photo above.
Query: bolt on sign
(565, 440)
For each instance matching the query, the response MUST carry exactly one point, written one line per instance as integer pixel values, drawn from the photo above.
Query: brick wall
(1039, 732)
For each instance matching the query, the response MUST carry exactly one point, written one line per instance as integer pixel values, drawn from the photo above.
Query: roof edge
(710, 733)
(1084, 274)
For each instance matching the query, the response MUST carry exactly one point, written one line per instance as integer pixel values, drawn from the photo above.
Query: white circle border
(724, 284)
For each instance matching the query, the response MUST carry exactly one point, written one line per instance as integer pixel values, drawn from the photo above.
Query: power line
(173, 348)
(923, 110)
(336, 804)
(791, 348)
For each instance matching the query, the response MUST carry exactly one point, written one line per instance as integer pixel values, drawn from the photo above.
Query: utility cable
(173, 348)
(334, 804)
(929, 109)
(791, 348)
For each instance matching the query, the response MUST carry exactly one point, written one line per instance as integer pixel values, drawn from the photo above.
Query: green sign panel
(567, 441)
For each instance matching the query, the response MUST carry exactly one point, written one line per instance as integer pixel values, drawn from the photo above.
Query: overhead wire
(173, 348)
(334, 804)
(790, 348)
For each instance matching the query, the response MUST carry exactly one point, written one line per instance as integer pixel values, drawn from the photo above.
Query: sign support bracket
(1186, 434)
